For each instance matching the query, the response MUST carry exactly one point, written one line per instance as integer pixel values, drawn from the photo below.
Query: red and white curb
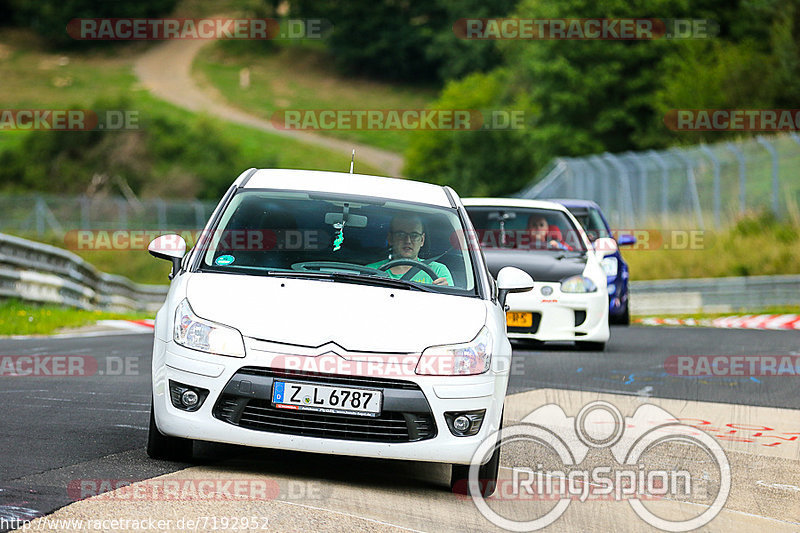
(774, 322)
(143, 326)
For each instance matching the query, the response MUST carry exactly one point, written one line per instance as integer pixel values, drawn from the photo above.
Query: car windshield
(344, 238)
(525, 229)
(591, 221)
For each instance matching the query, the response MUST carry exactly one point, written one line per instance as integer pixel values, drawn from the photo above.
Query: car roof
(512, 202)
(345, 183)
(575, 202)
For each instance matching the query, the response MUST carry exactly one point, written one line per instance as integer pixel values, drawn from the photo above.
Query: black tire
(487, 474)
(160, 446)
(589, 346)
(624, 319)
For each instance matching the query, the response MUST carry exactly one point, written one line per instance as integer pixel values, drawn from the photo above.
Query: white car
(545, 240)
(291, 324)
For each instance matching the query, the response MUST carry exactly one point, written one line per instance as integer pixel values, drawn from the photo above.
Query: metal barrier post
(692, 183)
(775, 184)
(742, 176)
(717, 192)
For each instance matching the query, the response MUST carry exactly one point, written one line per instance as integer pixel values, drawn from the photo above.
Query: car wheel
(624, 319)
(589, 346)
(160, 446)
(487, 473)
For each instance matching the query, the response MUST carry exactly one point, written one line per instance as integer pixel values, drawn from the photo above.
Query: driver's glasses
(402, 235)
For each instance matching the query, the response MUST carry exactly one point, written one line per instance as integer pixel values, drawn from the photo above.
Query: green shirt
(421, 276)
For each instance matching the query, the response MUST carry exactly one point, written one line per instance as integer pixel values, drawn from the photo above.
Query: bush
(166, 156)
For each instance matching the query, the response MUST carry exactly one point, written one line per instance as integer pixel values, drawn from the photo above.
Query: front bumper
(412, 424)
(561, 316)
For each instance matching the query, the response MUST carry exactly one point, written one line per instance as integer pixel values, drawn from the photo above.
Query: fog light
(189, 398)
(186, 397)
(461, 423)
(465, 423)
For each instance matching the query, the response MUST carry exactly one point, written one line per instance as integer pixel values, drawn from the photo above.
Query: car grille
(533, 328)
(257, 413)
(329, 379)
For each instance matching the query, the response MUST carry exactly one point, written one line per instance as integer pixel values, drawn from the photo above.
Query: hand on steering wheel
(414, 264)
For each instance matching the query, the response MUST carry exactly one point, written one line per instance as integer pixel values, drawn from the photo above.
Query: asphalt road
(57, 430)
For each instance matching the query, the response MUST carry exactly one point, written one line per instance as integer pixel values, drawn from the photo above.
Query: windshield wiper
(365, 279)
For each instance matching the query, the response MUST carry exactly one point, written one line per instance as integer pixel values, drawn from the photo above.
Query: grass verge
(26, 318)
(296, 77)
(36, 78)
(756, 245)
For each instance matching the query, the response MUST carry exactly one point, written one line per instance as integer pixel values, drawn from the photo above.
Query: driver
(406, 236)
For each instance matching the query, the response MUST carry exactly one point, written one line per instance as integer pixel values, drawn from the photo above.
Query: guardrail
(42, 273)
(713, 295)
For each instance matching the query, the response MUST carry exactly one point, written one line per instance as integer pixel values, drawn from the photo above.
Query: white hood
(356, 317)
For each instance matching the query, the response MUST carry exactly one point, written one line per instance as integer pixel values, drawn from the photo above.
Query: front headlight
(610, 266)
(466, 359)
(578, 284)
(206, 336)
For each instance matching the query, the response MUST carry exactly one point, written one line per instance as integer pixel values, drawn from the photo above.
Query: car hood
(312, 313)
(541, 265)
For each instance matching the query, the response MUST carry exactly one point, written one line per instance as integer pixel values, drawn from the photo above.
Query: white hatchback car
(333, 313)
(545, 240)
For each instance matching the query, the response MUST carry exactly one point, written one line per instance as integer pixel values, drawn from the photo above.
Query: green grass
(26, 318)
(757, 245)
(299, 77)
(35, 78)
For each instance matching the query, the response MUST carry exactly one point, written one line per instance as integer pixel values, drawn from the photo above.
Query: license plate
(519, 320)
(326, 399)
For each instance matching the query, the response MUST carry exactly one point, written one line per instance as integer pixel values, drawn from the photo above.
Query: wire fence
(690, 187)
(35, 214)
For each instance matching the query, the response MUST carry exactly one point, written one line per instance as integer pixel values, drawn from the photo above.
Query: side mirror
(626, 240)
(605, 246)
(170, 247)
(512, 279)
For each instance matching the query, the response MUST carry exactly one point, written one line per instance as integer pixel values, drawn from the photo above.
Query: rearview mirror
(626, 240)
(512, 279)
(170, 247)
(353, 221)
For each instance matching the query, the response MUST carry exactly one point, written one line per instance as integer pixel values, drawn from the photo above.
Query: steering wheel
(307, 266)
(414, 264)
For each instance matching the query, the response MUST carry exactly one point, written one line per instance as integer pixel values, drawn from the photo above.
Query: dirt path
(165, 70)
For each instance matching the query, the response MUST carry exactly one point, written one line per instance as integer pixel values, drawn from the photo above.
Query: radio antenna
(352, 159)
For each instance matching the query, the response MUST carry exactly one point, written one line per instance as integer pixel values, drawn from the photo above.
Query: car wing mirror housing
(170, 247)
(512, 279)
(626, 240)
(605, 246)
